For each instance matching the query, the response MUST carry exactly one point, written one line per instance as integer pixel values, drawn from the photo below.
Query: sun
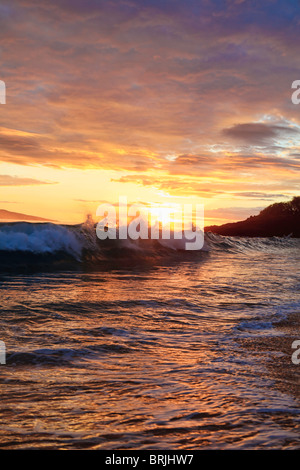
(165, 215)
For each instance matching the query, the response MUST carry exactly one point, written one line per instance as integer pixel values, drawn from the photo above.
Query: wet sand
(279, 352)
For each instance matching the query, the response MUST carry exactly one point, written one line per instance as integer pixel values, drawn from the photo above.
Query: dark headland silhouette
(278, 220)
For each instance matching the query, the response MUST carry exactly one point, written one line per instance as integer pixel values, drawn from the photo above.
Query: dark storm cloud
(259, 133)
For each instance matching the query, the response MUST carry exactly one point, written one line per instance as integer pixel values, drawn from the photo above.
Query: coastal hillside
(280, 219)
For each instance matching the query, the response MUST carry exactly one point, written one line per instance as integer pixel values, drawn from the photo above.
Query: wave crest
(43, 243)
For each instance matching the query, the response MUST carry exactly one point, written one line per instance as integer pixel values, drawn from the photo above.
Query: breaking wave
(35, 244)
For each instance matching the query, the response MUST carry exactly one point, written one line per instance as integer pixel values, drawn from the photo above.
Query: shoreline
(279, 346)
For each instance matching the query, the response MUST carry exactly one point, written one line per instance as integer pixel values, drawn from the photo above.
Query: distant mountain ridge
(278, 220)
(17, 216)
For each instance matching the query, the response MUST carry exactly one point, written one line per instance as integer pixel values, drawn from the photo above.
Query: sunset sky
(160, 101)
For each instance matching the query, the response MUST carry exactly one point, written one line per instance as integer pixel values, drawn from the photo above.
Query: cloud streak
(8, 180)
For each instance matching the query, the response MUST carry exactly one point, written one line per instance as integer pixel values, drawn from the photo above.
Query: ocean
(135, 345)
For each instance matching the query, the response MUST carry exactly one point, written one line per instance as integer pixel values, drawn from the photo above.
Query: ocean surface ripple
(140, 346)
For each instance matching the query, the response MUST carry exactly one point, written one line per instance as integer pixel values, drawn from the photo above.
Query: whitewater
(80, 242)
